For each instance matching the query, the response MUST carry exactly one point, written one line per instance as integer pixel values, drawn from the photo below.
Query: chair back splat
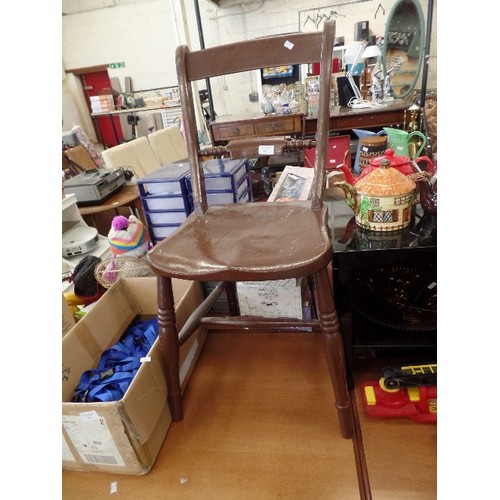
(261, 241)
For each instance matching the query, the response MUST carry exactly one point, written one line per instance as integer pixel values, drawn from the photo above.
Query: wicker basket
(109, 271)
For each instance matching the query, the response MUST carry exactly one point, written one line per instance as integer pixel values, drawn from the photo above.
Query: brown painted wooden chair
(252, 241)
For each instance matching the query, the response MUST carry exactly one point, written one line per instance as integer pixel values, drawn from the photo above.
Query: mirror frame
(388, 28)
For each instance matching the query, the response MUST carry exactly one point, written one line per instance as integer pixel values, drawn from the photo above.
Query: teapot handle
(430, 165)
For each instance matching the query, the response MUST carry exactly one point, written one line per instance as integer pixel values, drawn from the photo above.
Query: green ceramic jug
(401, 141)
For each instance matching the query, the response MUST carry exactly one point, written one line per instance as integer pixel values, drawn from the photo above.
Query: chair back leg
(232, 298)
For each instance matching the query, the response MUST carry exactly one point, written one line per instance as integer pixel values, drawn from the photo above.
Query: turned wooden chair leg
(334, 349)
(169, 345)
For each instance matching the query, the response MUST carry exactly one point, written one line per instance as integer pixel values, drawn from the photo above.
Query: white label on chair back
(266, 150)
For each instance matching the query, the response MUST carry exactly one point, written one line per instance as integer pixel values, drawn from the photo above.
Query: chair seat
(222, 244)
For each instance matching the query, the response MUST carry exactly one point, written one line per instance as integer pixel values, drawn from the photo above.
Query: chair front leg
(334, 349)
(169, 345)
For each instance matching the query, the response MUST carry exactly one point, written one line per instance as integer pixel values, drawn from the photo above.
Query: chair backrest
(272, 51)
(144, 154)
(136, 154)
(168, 144)
(122, 156)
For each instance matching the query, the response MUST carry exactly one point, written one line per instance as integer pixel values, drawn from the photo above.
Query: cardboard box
(124, 436)
(271, 299)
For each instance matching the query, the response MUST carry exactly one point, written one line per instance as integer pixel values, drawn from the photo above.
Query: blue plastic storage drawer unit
(226, 181)
(165, 199)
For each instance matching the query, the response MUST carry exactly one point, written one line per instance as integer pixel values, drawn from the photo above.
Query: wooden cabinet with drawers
(343, 118)
(225, 129)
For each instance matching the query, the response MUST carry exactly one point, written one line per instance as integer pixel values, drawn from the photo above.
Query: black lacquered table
(385, 287)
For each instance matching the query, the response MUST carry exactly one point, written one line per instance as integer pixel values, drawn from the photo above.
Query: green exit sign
(117, 65)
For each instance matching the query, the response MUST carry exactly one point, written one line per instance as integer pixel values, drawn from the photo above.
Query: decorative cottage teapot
(382, 200)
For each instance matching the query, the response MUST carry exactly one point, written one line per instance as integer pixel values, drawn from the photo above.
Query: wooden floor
(401, 455)
(260, 424)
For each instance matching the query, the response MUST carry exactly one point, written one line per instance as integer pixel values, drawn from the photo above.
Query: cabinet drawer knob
(236, 131)
(274, 126)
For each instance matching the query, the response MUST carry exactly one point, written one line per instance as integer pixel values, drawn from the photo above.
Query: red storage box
(337, 148)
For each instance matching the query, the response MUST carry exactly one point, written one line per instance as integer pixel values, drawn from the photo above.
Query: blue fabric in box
(118, 365)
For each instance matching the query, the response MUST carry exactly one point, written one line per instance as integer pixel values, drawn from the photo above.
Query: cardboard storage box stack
(122, 436)
(102, 103)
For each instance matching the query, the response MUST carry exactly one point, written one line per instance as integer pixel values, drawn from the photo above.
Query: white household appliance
(95, 186)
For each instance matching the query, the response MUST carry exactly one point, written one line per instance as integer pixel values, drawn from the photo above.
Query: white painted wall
(144, 34)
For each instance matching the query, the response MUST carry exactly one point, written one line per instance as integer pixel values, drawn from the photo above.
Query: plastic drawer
(158, 233)
(218, 198)
(161, 218)
(166, 180)
(164, 203)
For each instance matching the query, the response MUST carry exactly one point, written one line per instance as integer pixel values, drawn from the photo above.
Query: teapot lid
(385, 181)
(396, 161)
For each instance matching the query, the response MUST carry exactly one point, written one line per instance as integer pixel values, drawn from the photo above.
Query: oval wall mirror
(404, 45)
